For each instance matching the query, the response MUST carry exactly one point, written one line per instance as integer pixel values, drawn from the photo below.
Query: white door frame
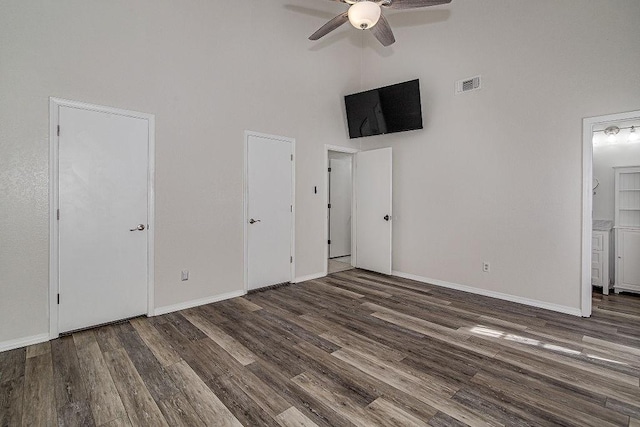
(245, 200)
(588, 124)
(54, 144)
(354, 248)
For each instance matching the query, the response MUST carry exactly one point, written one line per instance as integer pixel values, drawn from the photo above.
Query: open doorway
(339, 210)
(611, 205)
(343, 255)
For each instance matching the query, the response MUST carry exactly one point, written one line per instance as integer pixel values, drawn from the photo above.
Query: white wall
(496, 174)
(208, 71)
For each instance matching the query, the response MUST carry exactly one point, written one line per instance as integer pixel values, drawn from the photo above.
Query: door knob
(140, 227)
(386, 217)
(253, 221)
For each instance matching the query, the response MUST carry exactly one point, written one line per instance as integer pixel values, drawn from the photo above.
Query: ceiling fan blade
(382, 31)
(413, 4)
(330, 26)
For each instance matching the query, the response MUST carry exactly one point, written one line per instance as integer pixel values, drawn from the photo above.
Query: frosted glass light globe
(364, 14)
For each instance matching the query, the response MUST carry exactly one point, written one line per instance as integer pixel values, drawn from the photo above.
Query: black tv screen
(388, 109)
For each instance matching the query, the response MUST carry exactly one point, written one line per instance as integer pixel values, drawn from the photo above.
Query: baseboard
(196, 302)
(308, 277)
(493, 294)
(23, 342)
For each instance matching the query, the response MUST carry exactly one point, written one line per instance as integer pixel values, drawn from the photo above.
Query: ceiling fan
(367, 15)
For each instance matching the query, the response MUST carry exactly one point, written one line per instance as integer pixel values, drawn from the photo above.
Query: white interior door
(373, 210)
(269, 211)
(340, 191)
(103, 176)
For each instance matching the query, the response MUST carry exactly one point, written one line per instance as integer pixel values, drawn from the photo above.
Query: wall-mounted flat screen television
(388, 109)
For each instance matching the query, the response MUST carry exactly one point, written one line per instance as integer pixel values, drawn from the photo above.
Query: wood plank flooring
(352, 349)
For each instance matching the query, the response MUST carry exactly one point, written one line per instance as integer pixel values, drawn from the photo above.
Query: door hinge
(329, 169)
(329, 241)
(58, 214)
(291, 260)
(58, 298)
(291, 207)
(58, 130)
(329, 206)
(292, 157)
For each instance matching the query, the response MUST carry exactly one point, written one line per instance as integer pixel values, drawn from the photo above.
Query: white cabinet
(627, 197)
(600, 260)
(628, 260)
(627, 224)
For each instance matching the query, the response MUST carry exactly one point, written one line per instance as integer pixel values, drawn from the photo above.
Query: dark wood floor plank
(136, 398)
(236, 375)
(178, 412)
(118, 422)
(623, 408)
(367, 291)
(75, 414)
(38, 349)
(208, 406)
(313, 409)
(12, 364)
(561, 355)
(364, 388)
(575, 376)
(433, 394)
(443, 420)
(390, 414)
(185, 327)
(586, 415)
(68, 384)
(291, 327)
(39, 407)
(336, 397)
(103, 396)
(243, 303)
(11, 402)
(107, 338)
(161, 349)
(231, 346)
(292, 417)
(150, 370)
(245, 409)
(276, 350)
(507, 407)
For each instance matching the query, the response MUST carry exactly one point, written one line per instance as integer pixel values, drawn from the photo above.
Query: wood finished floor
(354, 348)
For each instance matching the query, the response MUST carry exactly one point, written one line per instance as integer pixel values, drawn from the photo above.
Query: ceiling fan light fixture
(364, 14)
(633, 135)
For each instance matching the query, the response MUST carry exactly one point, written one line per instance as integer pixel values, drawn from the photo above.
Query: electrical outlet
(486, 267)
(185, 275)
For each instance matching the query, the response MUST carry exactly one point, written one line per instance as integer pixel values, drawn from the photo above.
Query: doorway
(101, 187)
(371, 204)
(610, 147)
(269, 210)
(340, 210)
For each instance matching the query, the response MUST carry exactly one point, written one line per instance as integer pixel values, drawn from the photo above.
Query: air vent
(467, 85)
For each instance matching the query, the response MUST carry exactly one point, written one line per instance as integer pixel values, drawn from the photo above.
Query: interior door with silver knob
(373, 210)
(103, 202)
(269, 198)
